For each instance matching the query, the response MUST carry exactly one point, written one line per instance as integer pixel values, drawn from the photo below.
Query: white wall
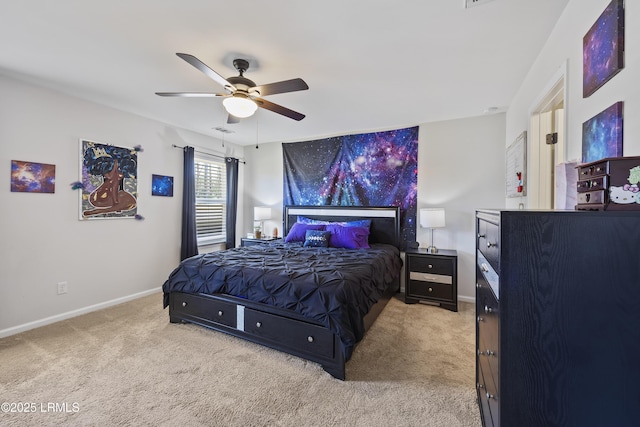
(565, 47)
(42, 242)
(461, 168)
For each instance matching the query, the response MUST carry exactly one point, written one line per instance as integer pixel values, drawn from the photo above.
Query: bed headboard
(385, 220)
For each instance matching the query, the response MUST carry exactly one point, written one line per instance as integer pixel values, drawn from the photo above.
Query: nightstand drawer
(432, 265)
(428, 277)
(418, 289)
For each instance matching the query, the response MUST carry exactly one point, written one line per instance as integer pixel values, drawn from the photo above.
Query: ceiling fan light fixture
(240, 106)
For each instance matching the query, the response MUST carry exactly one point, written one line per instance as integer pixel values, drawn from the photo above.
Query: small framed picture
(31, 177)
(161, 185)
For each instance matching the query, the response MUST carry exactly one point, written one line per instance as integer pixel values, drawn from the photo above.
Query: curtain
(189, 246)
(232, 200)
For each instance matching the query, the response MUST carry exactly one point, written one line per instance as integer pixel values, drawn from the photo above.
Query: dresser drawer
(484, 395)
(488, 397)
(430, 290)
(488, 240)
(593, 169)
(305, 337)
(598, 183)
(592, 197)
(431, 265)
(221, 312)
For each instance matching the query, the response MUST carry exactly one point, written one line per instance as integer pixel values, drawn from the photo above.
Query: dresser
(558, 318)
(609, 184)
(432, 277)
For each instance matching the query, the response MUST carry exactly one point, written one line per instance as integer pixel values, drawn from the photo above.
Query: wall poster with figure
(109, 181)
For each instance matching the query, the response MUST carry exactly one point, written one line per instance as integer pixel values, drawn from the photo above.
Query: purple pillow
(299, 231)
(348, 237)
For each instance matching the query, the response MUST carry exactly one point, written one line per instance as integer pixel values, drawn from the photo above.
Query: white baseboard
(63, 316)
(466, 299)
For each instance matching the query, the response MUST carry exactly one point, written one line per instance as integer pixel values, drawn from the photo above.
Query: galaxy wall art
(30, 177)
(371, 169)
(602, 135)
(161, 185)
(109, 181)
(603, 49)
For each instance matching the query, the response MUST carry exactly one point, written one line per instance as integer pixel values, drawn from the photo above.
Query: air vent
(223, 130)
(473, 3)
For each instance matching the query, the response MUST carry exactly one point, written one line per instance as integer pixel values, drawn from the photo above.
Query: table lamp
(432, 218)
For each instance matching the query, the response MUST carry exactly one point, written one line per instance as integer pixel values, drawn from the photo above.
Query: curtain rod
(209, 154)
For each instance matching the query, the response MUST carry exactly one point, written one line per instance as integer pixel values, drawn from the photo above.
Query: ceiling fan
(243, 96)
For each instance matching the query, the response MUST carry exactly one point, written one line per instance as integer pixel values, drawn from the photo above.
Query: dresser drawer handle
(491, 245)
(220, 313)
(480, 386)
(484, 267)
(430, 266)
(310, 338)
(184, 304)
(430, 289)
(480, 319)
(490, 396)
(258, 324)
(489, 352)
(480, 352)
(481, 236)
(488, 309)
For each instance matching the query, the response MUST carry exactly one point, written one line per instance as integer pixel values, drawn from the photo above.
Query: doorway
(547, 118)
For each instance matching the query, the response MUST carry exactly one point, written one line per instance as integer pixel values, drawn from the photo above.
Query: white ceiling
(370, 65)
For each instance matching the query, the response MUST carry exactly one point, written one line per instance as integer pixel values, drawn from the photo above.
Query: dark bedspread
(336, 287)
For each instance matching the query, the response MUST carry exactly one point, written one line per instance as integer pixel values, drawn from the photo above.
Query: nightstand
(432, 278)
(247, 241)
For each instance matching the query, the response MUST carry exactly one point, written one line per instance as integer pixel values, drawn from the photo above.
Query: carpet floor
(128, 366)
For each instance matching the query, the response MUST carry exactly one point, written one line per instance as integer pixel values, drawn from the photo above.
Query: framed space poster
(602, 134)
(32, 177)
(109, 181)
(603, 48)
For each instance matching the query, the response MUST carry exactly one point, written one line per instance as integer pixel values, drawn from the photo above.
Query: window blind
(211, 191)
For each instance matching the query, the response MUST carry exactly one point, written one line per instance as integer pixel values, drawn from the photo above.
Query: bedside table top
(423, 251)
(261, 240)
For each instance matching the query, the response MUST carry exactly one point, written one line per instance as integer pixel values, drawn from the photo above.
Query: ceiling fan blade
(263, 103)
(292, 85)
(206, 70)
(231, 119)
(191, 94)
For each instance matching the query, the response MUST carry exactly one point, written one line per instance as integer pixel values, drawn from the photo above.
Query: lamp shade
(260, 213)
(432, 218)
(239, 106)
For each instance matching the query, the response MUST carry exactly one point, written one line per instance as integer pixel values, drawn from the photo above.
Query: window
(211, 199)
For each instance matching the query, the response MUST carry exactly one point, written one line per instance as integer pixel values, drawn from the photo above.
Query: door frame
(540, 171)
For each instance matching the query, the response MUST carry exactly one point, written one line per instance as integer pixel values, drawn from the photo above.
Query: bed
(311, 302)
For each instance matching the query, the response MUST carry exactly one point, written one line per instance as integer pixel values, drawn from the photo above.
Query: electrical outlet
(62, 288)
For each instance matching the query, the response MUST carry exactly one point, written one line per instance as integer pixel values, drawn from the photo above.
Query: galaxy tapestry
(603, 49)
(109, 181)
(30, 177)
(602, 135)
(371, 169)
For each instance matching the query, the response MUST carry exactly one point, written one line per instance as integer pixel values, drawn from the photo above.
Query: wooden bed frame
(281, 329)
